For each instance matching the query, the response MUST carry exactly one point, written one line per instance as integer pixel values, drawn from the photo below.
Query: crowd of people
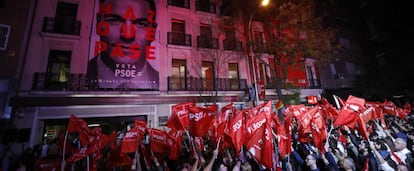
(387, 144)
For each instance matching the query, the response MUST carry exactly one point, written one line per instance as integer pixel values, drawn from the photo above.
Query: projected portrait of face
(126, 29)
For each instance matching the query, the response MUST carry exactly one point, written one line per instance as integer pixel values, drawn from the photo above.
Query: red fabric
(305, 118)
(201, 119)
(236, 128)
(379, 113)
(159, 141)
(349, 113)
(283, 132)
(141, 126)
(179, 116)
(133, 137)
(319, 133)
(328, 110)
(175, 145)
(259, 140)
(97, 142)
(268, 150)
(79, 125)
(389, 107)
(366, 165)
(363, 127)
(255, 126)
(130, 141)
(222, 120)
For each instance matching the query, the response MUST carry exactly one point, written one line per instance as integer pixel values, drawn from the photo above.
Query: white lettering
(237, 125)
(197, 116)
(159, 137)
(131, 134)
(256, 126)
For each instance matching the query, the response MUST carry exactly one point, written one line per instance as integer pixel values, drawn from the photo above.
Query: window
(258, 41)
(4, 36)
(177, 35)
(178, 74)
(234, 76)
(207, 74)
(205, 5)
(65, 19)
(262, 73)
(230, 42)
(57, 73)
(179, 3)
(204, 40)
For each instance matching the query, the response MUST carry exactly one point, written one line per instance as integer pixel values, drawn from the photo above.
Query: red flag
(236, 128)
(305, 118)
(159, 141)
(284, 136)
(379, 113)
(268, 150)
(222, 120)
(328, 109)
(363, 127)
(349, 113)
(201, 119)
(179, 116)
(130, 141)
(175, 145)
(80, 126)
(319, 132)
(259, 141)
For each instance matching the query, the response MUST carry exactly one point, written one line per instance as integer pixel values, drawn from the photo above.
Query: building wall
(60, 104)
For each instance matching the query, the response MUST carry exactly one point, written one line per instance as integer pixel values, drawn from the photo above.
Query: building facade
(84, 58)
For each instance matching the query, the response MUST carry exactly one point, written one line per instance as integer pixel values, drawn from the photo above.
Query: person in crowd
(401, 151)
(311, 162)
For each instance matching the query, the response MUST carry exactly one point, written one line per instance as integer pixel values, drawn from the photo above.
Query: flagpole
(87, 163)
(338, 106)
(62, 164)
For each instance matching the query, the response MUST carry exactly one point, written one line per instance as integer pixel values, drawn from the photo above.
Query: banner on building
(121, 52)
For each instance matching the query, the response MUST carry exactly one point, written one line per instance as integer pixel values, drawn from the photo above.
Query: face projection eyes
(139, 22)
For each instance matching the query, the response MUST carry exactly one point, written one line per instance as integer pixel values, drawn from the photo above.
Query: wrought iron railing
(203, 84)
(50, 25)
(206, 6)
(175, 38)
(232, 44)
(180, 3)
(207, 42)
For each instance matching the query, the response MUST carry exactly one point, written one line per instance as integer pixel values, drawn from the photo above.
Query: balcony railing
(180, 3)
(51, 26)
(175, 38)
(78, 82)
(205, 6)
(207, 42)
(232, 44)
(202, 84)
(75, 82)
(312, 84)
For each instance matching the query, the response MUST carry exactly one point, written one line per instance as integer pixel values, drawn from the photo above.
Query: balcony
(182, 39)
(232, 44)
(180, 3)
(75, 82)
(311, 84)
(205, 6)
(50, 25)
(201, 84)
(207, 42)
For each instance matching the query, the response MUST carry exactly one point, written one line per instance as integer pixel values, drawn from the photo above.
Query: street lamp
(251, 54)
